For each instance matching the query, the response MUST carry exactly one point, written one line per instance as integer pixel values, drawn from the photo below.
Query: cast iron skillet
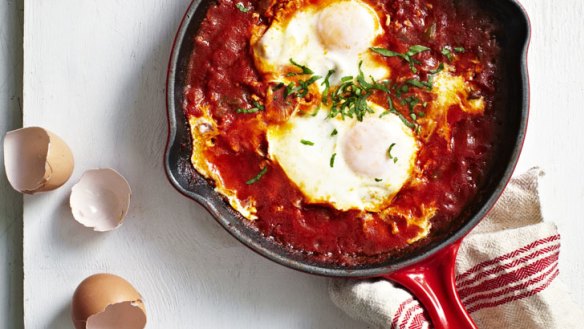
(427, 271)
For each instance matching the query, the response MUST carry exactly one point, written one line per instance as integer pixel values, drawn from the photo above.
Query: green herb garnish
(438, 69)
(411, 102)
(315, 111)
(256, 108)
(420, 84)
(408, 56)
(305, 142)
(459, 49)
(278, 86)
(326, 85)
(446, 52)
(301, 88)
(350, 98)
(334, 133)
(305, 70)
(258, 176)
(389, 150)
(248, 111)
(378, 180)
(242, 8)
(332, 161)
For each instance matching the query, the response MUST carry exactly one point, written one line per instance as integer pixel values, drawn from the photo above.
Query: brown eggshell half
(101, 199)
(36, 160)
(107, 301)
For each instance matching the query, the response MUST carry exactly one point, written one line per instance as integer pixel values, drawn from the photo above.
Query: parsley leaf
(446, 52)
(332, 161)
(257, 177)
(408, 56)
(326, 85)
(242, 8)
(257, 107)
(389, 151)
(305, 70)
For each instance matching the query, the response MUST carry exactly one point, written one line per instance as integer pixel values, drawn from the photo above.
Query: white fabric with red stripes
(506, 274)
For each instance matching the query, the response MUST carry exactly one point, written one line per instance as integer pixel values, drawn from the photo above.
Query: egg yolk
(346, 26)
(365, 148)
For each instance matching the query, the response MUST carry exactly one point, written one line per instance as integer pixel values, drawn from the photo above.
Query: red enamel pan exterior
(428, 271)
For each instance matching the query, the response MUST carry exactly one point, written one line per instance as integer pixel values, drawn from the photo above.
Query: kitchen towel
(506, 274)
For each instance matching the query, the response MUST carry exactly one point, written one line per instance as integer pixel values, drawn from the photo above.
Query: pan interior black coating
(512, 100)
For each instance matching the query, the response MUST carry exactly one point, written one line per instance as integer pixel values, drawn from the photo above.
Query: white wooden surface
(94, 73)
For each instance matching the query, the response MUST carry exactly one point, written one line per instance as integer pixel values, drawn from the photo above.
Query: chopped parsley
(446, 52)
(305, 70)
(334, 132)
(389, 151)
(306, 142)
(257, 107)
(459, 49)
(332, 161)
(258, 176)
(315, 111)
(439, 69)
(300, 89)
(242, 8)
(350, 98)
(278, 86)
(327, 85)
(248, 111)
(411, 102)
(420, 84)
(407, 56)
(378, 180)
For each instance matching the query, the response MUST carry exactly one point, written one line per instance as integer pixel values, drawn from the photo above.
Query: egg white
(336, 37)
(363, 176)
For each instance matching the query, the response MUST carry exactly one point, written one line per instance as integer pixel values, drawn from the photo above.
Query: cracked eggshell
(107, 301)
(100, 200)
(36, 160)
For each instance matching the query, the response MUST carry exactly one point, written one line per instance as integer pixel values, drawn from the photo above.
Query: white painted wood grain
(94, 74)
(10, 201)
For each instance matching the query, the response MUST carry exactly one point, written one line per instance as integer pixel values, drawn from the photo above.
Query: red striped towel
(507, 271)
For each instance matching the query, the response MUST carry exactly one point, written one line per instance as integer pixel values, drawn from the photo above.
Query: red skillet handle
(432, 282)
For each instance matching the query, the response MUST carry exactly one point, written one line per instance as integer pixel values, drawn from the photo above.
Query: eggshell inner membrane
(121, 315)
(36, 160)
(101, 199)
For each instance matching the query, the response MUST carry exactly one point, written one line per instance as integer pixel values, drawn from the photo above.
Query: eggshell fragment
(107, 301)
(36, 160)
(100, 200)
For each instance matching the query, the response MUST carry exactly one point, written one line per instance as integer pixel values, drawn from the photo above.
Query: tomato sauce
(223, 77)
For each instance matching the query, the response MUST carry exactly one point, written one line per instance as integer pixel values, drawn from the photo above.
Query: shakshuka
(347, 130)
